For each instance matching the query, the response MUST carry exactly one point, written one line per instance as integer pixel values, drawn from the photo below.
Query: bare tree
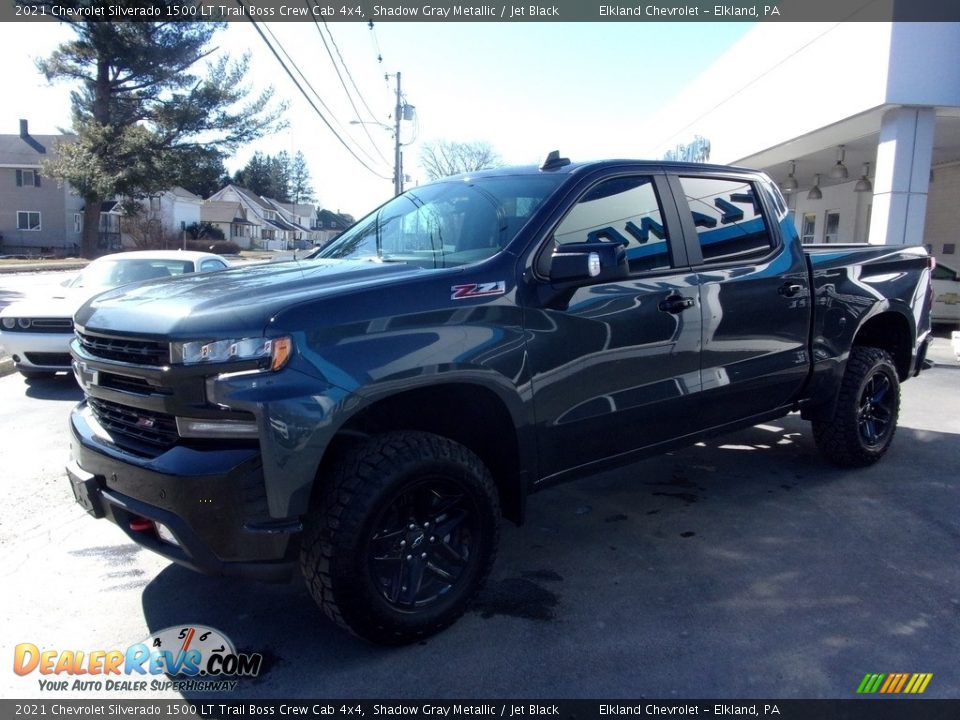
(442, 158)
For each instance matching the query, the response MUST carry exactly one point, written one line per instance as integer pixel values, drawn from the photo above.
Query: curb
(42, 266)
(6, 366)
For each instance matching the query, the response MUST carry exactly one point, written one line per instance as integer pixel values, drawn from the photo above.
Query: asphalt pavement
(744, 567)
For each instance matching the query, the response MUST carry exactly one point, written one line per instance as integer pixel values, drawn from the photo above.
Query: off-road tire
(865, 418)
(347, 553)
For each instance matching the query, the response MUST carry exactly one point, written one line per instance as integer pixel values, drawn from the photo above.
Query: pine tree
(301, 188)
(142, 113)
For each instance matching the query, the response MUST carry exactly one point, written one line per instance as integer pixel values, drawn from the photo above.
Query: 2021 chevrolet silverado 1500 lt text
(370, 413)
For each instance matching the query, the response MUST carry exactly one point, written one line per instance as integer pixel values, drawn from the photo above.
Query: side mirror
(588, 262)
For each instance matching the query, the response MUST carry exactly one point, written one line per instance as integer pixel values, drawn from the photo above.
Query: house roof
(31, 150)
(222, 211)
(252, 197)
(331, 220)
(184, 193)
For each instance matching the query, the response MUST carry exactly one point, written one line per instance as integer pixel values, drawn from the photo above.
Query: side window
(209, 265)
(729, 219)
(622, 210)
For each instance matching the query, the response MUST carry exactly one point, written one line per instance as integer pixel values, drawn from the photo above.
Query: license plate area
(86, 491)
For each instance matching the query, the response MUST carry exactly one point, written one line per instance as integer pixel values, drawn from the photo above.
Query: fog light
(202, 428)
(167, 535)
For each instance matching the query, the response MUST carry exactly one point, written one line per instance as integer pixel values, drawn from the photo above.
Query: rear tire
(401, 537)
(865, 418)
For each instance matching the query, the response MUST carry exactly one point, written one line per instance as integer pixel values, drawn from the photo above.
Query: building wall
(943, 217)
(853, 208)
(56, 206)
(183, 212)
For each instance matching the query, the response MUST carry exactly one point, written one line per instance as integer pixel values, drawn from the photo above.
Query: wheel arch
(471, 414)
(893, 331)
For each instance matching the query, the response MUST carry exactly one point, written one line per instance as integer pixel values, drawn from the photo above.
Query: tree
(202, 173)
(267, 176)
(301, 188)
(141, 113)
(443, 158)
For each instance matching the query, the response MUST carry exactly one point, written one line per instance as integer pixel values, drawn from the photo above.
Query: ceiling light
(790, 184)
(839, 171)
(864, 184)
(815, 193)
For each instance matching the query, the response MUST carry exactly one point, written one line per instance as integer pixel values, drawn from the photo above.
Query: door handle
(789, 289)
(675, 304)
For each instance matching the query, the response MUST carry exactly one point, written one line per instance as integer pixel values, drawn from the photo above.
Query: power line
(303, 92)
(344, 85)
(346, 69)
(315, 93)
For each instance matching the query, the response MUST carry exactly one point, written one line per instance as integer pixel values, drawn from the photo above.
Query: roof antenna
(553, 161)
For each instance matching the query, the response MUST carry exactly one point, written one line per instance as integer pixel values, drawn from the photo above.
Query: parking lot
(746, 567)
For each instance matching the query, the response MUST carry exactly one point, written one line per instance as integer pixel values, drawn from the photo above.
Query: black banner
(860, 709)
(485, 11)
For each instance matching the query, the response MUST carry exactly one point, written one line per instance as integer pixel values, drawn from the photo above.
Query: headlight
(9, 323)
(277, 350)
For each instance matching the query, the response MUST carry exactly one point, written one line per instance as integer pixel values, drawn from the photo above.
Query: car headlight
(9, 323)
(276, 350)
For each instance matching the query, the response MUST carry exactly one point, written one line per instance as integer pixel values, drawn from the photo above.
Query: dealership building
(859, 124)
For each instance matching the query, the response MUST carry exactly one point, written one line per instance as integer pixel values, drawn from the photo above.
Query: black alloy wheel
(402, 534)
(875, 413)
(424, 541)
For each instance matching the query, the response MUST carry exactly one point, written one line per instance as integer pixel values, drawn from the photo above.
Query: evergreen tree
(141, 112)
(301, 188)
(203, 173)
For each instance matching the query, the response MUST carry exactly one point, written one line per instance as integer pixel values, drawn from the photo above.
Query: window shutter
(19, 178)
(36, 179)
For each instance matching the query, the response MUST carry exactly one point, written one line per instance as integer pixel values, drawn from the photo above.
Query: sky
(586, 89)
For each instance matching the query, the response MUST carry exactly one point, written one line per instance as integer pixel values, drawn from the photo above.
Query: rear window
(729, 219)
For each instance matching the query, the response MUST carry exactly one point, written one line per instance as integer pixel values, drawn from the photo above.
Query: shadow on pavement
(745, 566)
(61, 386)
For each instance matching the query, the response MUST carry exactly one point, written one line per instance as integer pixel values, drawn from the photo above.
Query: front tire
(868, 406)
(403, 534)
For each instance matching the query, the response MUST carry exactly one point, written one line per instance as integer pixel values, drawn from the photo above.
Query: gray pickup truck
(367, 415)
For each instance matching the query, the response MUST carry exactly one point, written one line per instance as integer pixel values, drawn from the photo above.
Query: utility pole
(397, 169)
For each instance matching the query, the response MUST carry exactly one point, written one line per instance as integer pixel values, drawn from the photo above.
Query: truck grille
(155, 429)
(136, 352)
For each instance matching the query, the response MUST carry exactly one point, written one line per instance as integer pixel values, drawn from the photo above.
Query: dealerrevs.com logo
(203, 656)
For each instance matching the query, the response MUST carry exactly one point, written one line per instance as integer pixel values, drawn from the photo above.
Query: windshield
(105, 273)
(446, 224)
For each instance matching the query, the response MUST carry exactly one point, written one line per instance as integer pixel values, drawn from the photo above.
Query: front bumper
(210, 497)
(48, 352)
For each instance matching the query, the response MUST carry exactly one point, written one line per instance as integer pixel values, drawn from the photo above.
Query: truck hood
(240, 300)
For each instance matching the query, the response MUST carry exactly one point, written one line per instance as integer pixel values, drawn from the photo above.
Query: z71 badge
(472, 290)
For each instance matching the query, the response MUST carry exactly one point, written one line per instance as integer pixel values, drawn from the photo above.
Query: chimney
(24, 133)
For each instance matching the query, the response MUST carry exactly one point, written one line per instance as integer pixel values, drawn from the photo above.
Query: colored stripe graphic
(870, 683)
(894, 683)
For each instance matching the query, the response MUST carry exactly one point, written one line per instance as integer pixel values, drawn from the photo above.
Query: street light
(403, 111)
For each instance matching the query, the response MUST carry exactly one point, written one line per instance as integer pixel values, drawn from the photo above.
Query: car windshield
(446, 224)
(107, 273)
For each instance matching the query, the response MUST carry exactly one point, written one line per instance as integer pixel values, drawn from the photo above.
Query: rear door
(754, 291)
(615, 365)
